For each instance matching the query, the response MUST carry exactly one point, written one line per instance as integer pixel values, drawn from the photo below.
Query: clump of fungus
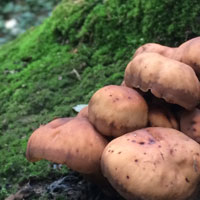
(149, 158)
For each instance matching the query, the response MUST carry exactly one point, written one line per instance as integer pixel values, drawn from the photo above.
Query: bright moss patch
(95, 39)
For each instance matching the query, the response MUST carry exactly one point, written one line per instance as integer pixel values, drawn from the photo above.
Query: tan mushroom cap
(189, 53)
(156, 48)
(58, 122)
(83, 112)
(75, 143)
(190, 124)
(115, 110)
(166, 78)
(160, 116)
(153, 164)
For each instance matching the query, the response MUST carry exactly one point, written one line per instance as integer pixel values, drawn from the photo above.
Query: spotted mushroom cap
(115, 110)
(190, 124)
(166, 78)
(153, 164)
(75, 143)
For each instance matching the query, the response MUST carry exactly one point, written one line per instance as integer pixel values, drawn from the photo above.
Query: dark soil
(70, 187)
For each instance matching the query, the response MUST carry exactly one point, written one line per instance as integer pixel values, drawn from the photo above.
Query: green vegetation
(96, 38)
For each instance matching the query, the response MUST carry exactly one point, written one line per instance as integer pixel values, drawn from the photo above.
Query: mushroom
(58, 122)
(161, 116)
(75, 143)
(166, 78)
(156, 48)
(153, 164)
(188, 52)
(83, 112)
(190, 124)
(115, 110)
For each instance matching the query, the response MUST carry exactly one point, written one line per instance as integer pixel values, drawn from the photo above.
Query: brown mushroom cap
(190, 124)
(169, 79)
(189, 53)
(115, 110)
(58, 122)
(160, 116)
(153, 164)
(156, 48)
(75, 143)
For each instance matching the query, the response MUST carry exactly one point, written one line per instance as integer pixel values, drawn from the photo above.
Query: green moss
(95, 38)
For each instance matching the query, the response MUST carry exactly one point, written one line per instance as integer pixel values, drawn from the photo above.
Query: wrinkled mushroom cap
(169, 79)
(153, 164)
(75, 143)
(190, 124)
(115, 110)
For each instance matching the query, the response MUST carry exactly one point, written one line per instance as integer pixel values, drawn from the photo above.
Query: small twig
(74, 71)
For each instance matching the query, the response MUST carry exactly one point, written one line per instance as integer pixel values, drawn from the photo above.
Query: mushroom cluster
(141, 137)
